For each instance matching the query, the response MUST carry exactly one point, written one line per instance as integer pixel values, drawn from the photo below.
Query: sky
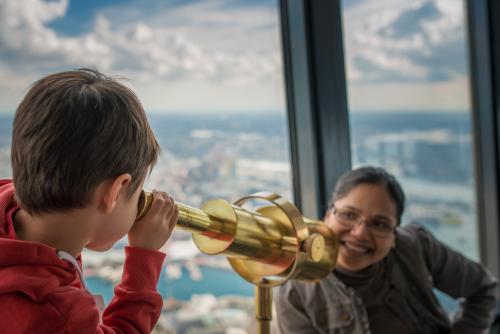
(225, 55)
(406, 55)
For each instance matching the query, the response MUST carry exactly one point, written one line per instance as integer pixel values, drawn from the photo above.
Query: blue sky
(80, 15)
(205, 55)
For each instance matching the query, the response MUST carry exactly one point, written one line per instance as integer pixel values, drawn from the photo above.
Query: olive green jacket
(417, 265)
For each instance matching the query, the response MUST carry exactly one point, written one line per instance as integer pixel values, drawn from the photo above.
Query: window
(408, 91)
(410, 108)
(209, 75)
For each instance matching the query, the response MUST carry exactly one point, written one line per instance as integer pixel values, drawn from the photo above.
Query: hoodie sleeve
(136, 305)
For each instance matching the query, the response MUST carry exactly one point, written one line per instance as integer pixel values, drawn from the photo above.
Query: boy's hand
(154, 229)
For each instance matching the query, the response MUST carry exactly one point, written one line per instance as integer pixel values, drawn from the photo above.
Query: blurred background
(210, 75)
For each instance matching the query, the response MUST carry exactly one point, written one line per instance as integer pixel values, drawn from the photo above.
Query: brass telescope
(266, 247)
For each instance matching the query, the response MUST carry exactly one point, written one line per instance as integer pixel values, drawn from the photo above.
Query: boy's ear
(116, 188)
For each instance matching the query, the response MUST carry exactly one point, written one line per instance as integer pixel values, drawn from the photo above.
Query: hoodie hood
(24, 265)
(8, 207)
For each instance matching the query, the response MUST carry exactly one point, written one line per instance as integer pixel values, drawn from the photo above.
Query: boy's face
(118, 223)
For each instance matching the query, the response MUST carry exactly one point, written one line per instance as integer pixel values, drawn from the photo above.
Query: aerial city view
(228, 156)
(210, 76)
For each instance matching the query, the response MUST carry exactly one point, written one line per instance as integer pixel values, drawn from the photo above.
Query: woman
(385, 274)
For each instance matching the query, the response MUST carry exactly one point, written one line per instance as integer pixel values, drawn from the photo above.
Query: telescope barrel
(267, 246)
(197, 221)
(190, 219)
(214, 229)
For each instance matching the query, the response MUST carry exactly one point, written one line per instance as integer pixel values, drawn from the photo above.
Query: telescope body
(267, 246)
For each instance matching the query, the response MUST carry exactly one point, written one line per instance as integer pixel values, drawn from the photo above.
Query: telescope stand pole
(263, 309)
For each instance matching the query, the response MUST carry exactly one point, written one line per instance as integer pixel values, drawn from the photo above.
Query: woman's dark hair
(371, 175)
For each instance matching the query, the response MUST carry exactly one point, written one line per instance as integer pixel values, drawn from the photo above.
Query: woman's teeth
(356, 248)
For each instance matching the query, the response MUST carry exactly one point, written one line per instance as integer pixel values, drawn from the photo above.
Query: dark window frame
(318, 113)
(484, 49)
(313, 54)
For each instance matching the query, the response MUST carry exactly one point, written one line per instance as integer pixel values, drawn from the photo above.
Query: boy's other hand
(154, 229)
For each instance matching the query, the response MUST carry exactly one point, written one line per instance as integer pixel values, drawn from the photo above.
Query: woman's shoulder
(412, 228)
(413, 245)
(411, 234)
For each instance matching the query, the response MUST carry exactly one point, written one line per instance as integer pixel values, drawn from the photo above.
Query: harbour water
(215, 281)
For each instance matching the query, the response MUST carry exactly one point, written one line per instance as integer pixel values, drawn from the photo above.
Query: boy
(81, 149)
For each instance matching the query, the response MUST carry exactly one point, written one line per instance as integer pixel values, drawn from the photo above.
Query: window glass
(409, 100)
(209, 75)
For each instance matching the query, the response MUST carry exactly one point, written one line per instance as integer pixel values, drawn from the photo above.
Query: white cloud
(405, 40)
(215, 55)
(22, 24)
(406, 55)
(150, 49)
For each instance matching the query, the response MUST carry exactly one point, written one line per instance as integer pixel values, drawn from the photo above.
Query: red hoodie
(41, 293)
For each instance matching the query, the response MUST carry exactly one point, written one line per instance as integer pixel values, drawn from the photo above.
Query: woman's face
(359, 247)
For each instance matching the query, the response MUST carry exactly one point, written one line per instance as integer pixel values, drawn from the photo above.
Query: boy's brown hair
(72, 131)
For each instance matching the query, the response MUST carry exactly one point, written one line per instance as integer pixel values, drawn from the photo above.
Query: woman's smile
(354, 249)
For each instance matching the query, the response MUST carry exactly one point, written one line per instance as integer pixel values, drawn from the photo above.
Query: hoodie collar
(8, 207)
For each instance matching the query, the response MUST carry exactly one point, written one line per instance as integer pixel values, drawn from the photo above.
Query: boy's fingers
(158, 201)
(173, 215)
(165, 205)
(168, 204)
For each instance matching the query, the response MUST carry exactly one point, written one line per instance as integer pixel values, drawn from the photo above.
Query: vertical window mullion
(484, 126)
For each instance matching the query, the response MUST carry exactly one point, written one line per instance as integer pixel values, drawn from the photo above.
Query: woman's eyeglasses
(378, 227)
